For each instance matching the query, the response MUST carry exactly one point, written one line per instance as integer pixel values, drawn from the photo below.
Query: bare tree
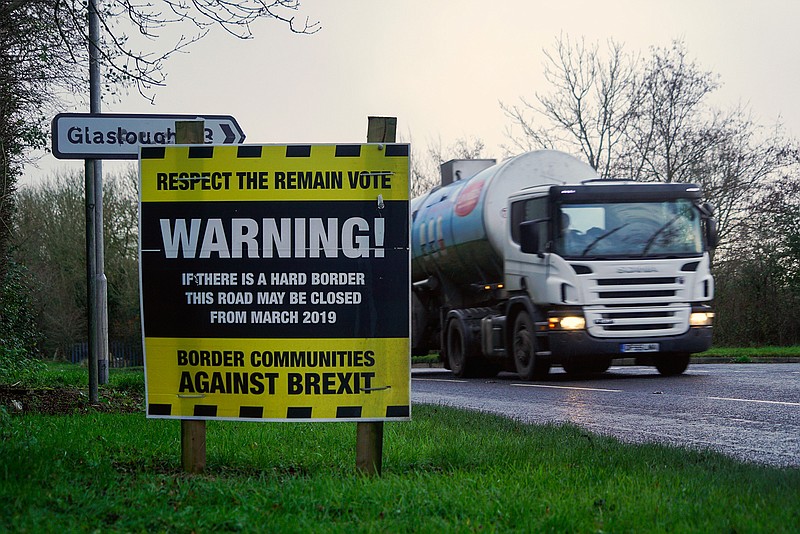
(134, 46)
(758, 279)
(425, 166)
(29, 47)
(738, 168)
(29, 63)
(49, 239)
(671, 126)
(44, 56)
(588, 109)
(650, 120)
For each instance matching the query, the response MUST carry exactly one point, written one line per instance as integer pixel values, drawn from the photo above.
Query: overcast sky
(442, 67)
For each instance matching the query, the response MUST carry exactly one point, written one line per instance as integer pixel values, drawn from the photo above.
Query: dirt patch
(60, 401)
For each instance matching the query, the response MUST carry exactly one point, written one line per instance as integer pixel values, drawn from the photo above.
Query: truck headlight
(570, 322)
(701, 319)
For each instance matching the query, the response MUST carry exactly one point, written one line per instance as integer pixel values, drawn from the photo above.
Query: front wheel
(672, 364)
(529, 367)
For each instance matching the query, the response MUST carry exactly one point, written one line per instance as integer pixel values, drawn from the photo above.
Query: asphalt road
(748, 411)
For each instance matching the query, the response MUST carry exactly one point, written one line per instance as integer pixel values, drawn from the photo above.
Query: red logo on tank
(468, 198)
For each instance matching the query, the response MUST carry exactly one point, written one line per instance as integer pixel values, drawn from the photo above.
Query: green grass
(745, 354)
(65, 375)
(445, 471)
(735, 354)
(430, 358)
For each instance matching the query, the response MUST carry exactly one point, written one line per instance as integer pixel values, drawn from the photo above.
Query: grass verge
(732, 354)
(745, 354)
(446, 471)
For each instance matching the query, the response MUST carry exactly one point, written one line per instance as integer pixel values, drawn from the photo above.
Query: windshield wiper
(601, 237)
(659, 232)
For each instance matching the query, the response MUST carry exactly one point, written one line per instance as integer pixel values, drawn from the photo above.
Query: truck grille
(665, 320)
(646, 294)
(625, 290)
(635, 281)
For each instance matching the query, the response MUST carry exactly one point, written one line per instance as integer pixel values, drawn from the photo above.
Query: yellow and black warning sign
(275, 281)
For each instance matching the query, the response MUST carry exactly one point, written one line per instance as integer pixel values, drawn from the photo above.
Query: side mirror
(529, 232)
(712, 237)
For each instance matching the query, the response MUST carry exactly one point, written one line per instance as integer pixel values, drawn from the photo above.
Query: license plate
(639, 347)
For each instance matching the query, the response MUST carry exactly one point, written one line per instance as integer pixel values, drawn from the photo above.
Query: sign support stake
(193, 433)
(369, 436)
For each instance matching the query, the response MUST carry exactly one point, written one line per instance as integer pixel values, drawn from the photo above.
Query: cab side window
(529, 209)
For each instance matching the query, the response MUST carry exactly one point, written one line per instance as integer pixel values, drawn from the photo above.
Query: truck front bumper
(568, 344)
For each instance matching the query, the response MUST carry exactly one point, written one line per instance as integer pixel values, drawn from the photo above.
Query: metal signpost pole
(96, 279)
(91, 268)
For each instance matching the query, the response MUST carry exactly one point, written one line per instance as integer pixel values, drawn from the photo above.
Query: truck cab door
(529, 230)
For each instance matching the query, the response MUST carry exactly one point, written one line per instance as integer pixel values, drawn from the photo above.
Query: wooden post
(369, 436)
(193, 433)
(190, 132)
(193, 446)
(369, 448)
(381, 129)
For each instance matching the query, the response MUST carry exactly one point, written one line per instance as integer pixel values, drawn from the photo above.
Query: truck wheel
(672, 364)
(601, 365)
(529, 367)
(459, 353)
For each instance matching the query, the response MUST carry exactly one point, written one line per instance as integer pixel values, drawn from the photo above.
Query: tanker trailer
(536, 261)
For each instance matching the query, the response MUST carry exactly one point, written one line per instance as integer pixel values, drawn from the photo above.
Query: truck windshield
(629, 229)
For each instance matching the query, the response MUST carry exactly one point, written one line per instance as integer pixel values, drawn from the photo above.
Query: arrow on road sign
(119, 135)
(229, 135)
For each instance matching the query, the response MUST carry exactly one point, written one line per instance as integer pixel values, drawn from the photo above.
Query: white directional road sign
(119, 135)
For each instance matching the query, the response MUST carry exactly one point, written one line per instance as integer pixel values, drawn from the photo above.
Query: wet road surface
(748, 411)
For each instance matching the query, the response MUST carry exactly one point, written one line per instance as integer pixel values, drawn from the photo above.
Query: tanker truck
(536, 261)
